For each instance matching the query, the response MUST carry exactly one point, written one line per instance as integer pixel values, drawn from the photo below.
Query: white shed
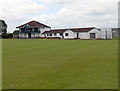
(74, 33)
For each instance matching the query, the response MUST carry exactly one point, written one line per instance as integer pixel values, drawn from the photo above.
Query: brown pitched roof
(81, 29)
(72, 29)
(55, 31)
(33, 24)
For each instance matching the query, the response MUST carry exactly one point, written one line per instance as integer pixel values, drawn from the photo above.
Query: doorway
(77, 35)
(29, 35)
(92, 36)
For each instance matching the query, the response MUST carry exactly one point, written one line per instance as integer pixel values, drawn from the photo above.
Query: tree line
(3, 30)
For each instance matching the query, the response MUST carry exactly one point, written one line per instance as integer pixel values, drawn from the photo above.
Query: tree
(3, 29)
(3, 26)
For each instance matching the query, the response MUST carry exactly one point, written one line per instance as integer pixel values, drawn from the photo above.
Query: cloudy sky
(60, 13)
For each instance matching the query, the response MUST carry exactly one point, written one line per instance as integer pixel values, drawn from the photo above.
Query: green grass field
(60, 64)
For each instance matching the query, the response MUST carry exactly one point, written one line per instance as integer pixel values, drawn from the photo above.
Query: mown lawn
(60, 64)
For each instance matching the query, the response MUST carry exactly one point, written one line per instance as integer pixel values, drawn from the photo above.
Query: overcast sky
(60, 13)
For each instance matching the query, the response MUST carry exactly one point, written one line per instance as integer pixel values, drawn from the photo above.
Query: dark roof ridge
(72, 29)
(33, 23)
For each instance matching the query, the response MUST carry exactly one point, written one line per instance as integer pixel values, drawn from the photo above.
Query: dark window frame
(51, 34)
(66, 34)
(55, 34)
(61, 34)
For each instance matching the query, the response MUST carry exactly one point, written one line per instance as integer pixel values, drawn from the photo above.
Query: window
(66, 34)
(35, 29)
(55, 34)
(61, 34)
(47, 34)
(50, 34)
(42, 27)
(22, 30)
(31, 30)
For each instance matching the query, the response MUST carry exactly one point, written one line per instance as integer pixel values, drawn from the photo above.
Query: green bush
(7, 36)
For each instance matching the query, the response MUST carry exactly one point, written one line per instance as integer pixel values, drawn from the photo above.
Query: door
(77, 35)
(29, 35)
(92, 36)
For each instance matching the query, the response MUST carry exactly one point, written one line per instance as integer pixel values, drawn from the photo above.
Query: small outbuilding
(74, 33)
